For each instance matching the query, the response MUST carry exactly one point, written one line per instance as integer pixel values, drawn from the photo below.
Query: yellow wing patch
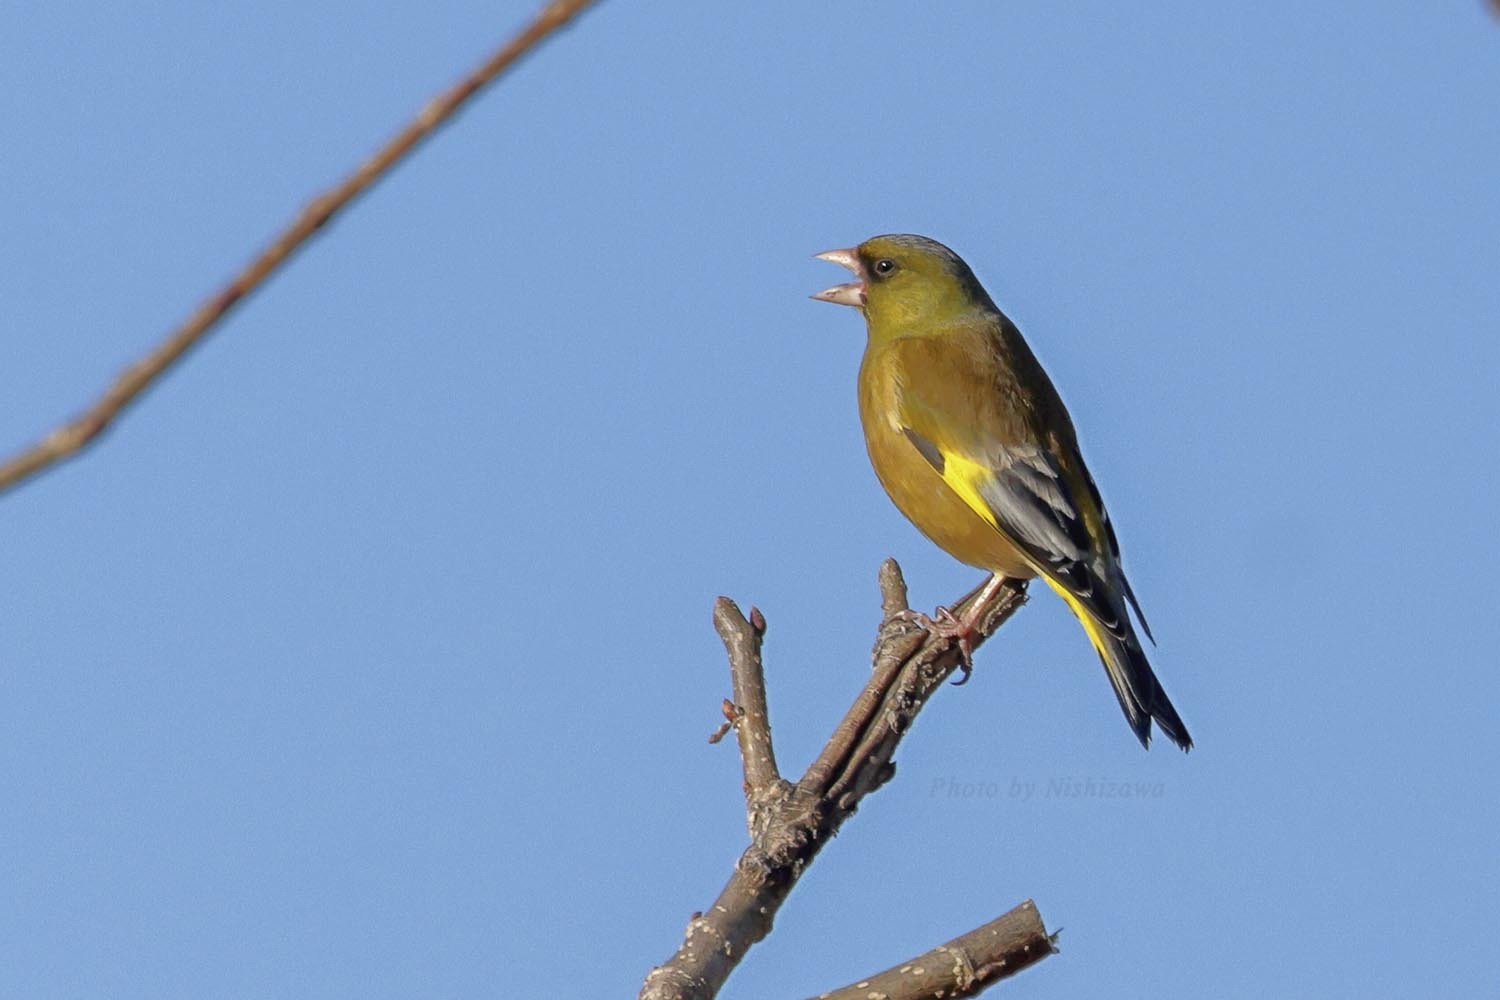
(963, 475)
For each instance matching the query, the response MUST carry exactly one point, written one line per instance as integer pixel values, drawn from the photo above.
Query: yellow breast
(912, 483)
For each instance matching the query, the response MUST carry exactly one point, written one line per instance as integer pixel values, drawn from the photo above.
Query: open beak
(850, 293)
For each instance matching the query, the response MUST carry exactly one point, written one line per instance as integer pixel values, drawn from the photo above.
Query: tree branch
(790, 823)
(964, 967)
(748, 712)
(73, 436)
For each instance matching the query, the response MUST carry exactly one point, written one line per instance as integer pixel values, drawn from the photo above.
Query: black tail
(1140, 693)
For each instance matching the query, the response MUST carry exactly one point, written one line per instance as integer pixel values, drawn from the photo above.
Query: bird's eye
(885, 267)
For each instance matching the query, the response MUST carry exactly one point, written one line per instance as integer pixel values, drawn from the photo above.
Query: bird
(973, 444)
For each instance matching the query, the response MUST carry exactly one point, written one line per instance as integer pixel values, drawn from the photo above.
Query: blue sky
(371, 654)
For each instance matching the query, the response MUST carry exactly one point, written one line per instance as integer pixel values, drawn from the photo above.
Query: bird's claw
(947, 626)
(962, 633)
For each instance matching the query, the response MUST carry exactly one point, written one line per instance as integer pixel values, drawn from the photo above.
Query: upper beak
(851, 293)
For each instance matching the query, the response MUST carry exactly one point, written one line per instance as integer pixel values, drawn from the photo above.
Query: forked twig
(790, 823)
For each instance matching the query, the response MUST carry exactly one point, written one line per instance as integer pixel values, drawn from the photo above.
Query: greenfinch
(973, 444)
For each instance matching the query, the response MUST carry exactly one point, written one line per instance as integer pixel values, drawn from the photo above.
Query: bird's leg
(990, 589)
(962, 631)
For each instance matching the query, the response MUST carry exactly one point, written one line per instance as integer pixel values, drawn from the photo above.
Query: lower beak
(849, 294)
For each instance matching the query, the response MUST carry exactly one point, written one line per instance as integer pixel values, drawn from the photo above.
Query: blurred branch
(964, 967)
(790, 823)
(76, 434)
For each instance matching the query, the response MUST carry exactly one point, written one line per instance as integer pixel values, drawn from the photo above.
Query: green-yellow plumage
(974, 445)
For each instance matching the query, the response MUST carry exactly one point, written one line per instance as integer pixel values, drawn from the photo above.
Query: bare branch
(76, 434)
(964, 967)
(893, 599)
(751, 718)
(790, 823)
(894, 647)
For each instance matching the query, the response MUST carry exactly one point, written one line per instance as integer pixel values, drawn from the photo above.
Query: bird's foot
(950, 626)
(947, 626)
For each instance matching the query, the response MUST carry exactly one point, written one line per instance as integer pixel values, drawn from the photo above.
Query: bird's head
(905, 283)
